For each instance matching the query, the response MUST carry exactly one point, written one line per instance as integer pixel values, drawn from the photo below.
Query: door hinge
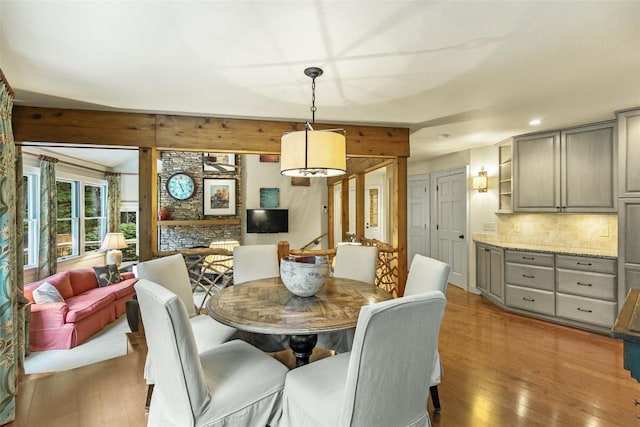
(437, 227)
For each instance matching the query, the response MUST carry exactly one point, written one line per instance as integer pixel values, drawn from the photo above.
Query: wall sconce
(481, 182)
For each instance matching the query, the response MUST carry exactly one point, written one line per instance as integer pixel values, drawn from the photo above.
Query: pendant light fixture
(310, 152)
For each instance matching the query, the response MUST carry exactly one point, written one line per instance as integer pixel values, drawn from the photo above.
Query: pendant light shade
(313, 153)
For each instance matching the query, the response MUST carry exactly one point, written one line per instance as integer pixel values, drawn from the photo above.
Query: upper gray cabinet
(573, 170)
(536, 173)
(629, 146)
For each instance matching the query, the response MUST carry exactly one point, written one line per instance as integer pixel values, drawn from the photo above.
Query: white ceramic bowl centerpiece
(305, 275)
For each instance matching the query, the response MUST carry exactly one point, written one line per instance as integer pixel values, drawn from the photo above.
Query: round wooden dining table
(265, 306)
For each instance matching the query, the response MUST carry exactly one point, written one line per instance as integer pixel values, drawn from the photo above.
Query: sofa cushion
(107, 274)
(60, 280)
(45, 293)
(82, 280)
(88, 303)
(118, 290)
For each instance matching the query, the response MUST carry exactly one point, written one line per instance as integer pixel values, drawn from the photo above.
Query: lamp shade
(481, 182)
(113, 241)
(313, 153)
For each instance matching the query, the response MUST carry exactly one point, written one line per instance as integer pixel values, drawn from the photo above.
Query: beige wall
(306, 220)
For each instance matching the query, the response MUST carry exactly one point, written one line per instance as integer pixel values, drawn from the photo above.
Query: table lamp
(112, 243)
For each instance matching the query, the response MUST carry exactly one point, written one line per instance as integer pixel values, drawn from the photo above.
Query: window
(95, 221)
(129, 227)
(81, 209)
(68, 218)
(30, 220)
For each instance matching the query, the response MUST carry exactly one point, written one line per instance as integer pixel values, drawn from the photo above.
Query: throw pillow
(47, 293)
(107, 274)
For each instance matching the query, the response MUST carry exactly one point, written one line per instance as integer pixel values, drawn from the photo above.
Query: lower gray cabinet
(530, 281)
(587, 289)
(490, 271)
(571, 289)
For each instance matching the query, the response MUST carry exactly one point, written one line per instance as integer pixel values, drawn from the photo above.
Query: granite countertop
(496, 240)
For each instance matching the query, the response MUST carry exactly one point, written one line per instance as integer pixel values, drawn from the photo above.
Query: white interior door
(450, 231)
(373, 212)
(417, 216)
(338, 236)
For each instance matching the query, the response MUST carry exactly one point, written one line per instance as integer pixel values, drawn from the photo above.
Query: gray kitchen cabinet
(536, 173)
(490, 271)
(575, 290)
(586, 289)
(629, 202)
(628, 247)
(629, 152)
(530, 281)
(573, 170)
(588, 168)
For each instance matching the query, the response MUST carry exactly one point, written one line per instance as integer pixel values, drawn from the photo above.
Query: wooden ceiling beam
(171, 132)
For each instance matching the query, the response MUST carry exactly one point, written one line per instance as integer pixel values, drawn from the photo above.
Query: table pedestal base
(302, 347)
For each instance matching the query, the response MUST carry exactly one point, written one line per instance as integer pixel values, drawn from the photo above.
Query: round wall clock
(181, 186)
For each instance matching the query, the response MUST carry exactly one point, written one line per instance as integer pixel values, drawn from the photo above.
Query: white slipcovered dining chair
(355, 262)
(171, 272)
(425, 275)
(253, 262)
(383, 381)
(232, 384)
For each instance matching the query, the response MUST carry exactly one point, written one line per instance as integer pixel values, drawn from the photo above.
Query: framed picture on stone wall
(219, 162)
(219, 196)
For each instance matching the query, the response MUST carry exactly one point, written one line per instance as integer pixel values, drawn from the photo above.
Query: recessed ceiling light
(535, 122)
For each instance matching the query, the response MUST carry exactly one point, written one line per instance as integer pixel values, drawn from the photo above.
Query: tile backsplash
(568, 231)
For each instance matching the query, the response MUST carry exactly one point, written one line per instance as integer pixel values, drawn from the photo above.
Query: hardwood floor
(500, 369)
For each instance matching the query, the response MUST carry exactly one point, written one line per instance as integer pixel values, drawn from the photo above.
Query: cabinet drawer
(588, 310)
(530, 276)
(601, 265)
(594, 285)
(531, 299)
(535, 258)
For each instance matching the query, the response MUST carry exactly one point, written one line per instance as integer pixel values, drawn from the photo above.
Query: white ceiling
(477, 71)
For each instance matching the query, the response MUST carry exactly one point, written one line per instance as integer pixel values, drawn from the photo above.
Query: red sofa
(86, 309)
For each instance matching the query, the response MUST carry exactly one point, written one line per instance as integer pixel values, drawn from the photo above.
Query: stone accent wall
(174, 237)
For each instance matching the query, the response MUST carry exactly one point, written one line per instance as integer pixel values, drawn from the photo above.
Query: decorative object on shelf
(313, 153)
(219, 196)
(181, 186)
(481, 182)
(112, 243)
(297, 181)
(269, 197)
(269, 158)
(304, 276)
(164, 214)
(219, 162)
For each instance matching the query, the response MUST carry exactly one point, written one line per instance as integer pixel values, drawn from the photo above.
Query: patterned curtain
(11, 309)
(113, 201)
(48, 252)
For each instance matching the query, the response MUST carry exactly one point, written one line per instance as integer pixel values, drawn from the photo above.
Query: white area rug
(110, 342)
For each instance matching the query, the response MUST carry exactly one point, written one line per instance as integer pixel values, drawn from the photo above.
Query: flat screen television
(267, 220)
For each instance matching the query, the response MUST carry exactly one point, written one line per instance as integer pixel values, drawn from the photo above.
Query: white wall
(481, 207)
(306, 220)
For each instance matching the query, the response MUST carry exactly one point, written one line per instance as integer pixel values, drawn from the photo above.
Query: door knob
(461, 236)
